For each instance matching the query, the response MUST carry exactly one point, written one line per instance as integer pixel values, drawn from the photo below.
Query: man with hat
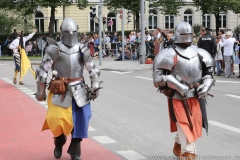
(228, 53)
(208, 42)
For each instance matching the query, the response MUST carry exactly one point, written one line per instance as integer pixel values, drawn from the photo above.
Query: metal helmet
(69, 32)
(183, 33)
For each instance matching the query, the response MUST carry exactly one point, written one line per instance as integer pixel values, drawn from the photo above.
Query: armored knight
(184, 73)
(68, 112)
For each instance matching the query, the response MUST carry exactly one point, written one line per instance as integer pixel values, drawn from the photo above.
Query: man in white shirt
(228, 53)
(147, 39)
(17, 57)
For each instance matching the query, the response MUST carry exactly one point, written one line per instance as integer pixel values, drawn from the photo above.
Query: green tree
(28, 7)
(169, 7)
(216, 6)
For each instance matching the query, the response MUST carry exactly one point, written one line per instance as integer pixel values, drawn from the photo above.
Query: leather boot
(59, 142)
(177, 149)
(75, 151)
(188, 156)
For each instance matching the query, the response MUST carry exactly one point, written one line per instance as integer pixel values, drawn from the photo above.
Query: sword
(188, 112)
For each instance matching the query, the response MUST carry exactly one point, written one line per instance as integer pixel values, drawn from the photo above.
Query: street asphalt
(130, 117)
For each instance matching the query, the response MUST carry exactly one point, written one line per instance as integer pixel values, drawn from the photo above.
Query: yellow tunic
(58, 119)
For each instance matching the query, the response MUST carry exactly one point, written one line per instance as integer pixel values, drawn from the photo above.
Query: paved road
(130, 118)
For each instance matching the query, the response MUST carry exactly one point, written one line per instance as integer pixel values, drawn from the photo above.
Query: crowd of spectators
(223, 47)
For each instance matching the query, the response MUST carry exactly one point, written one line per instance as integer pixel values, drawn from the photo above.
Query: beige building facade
(81, 17)
(228, 20)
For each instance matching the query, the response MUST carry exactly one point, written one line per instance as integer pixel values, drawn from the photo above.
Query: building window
(93, 25)
(39, 21)
(152, 22)
(169, 22)
(206, 19)
(111, 16)
(188, 16)
(222, 20)
(56, 25)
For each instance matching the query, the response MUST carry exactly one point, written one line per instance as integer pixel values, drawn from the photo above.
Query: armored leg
(59, 142)
(75, 149)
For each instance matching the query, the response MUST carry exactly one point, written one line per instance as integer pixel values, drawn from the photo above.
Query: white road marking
(104, 139)
(224, 126)
(227, 81)
(216, 80)
(22, 88)
(30, 92)
(33, 96)
(131, 155)
(91, 129)
(144, 78)
(26, 90)
(231, 95)
(120, 72)
(43, 103)
(45, 106)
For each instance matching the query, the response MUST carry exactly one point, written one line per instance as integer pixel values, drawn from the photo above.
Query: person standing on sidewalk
(69, 110)
(208, 42)
(218, 58)
(228, 53)
(185, 78)
(16, 54)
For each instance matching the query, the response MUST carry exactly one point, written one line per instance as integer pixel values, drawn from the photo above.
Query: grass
(31, 58)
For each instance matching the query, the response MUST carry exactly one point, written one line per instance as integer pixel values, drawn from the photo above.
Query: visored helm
(69, 34)
(183, 33)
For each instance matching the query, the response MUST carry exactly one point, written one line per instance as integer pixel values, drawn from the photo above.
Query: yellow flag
(25, 64)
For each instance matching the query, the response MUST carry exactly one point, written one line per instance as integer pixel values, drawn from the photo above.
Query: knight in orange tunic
(184, 73)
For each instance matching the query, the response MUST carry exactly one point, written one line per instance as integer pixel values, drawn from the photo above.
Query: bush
(196, 28)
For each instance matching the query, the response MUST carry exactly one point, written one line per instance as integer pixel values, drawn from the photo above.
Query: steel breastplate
(188, 70)
(69, 64)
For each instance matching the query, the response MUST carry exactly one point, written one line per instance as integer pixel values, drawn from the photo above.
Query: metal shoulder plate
(52, 49)
(86, 53)
(165, 59)
(51, 41)
(206, 57)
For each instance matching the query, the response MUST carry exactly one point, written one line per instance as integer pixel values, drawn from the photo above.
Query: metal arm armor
(51, 53)
(94, 72)
(161, 80)
(88, 61)
(162, 62)
(205, 57)
(207, 83)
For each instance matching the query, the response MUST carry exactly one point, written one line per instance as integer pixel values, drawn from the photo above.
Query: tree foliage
(10, 20)
(169, 7)
(24, 7)
(28, 7)
(216, 6)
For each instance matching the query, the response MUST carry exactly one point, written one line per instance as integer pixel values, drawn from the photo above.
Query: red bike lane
(21, 119)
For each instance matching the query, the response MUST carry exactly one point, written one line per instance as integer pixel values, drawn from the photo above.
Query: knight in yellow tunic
(69, 109)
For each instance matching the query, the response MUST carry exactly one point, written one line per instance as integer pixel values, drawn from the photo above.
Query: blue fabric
(17, 61)
(217, 63)
(81, 117)
(5, 42)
